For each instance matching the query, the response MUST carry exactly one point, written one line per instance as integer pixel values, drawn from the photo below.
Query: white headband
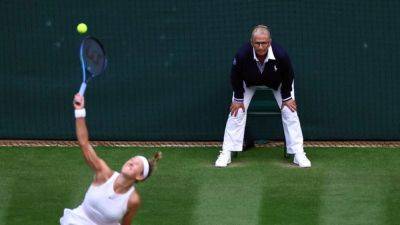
(146, 166)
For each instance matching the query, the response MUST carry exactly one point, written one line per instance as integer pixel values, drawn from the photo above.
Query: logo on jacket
(275, 68)
(234, 61)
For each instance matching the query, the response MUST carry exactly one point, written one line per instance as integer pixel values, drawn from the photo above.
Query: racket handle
(82, 89)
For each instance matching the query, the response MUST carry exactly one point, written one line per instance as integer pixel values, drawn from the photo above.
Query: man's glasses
(261, 43)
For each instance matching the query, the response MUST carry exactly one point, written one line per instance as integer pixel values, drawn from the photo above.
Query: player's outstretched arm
(95, 163)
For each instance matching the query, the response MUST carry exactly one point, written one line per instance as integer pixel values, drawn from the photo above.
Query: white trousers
(234, 130)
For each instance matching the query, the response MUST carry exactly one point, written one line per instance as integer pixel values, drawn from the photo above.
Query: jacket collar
(270, 55)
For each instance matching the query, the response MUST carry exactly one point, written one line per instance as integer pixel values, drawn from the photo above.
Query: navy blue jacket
(276, 72)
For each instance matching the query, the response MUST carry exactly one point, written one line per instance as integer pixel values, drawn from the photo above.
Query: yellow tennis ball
(81, 28)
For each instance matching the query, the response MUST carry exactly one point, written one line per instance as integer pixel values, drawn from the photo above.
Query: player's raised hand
(291, 104)
(79, 101)
(235, 106)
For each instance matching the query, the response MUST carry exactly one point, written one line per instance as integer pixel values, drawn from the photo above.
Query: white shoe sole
(221, 166)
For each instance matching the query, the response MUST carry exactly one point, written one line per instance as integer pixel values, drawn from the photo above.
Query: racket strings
(94, 57)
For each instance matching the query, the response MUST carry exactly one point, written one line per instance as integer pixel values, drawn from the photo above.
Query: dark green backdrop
(169, 63)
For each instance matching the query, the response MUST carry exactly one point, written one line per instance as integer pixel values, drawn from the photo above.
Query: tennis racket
(93, 61)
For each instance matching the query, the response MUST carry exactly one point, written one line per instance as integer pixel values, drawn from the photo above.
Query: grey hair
(262, 28)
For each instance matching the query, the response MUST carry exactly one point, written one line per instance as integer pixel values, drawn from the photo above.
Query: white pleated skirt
(75, 217)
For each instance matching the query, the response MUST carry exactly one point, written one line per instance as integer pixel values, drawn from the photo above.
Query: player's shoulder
(134, 199)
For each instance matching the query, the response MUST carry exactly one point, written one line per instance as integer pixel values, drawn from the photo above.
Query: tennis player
(111, 198)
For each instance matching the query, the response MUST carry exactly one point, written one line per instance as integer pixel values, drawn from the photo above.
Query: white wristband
(79, 113)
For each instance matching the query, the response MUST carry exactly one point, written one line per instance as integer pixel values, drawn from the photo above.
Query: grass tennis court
(343, 186)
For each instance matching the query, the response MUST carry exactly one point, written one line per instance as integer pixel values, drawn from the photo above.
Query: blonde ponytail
(153, 163)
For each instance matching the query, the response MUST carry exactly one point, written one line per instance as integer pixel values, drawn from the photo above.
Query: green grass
(344, 186)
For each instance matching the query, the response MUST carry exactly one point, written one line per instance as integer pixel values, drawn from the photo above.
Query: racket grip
(82, 89)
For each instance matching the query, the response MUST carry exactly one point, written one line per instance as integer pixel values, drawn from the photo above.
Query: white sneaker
(224, 159)
(301, 160)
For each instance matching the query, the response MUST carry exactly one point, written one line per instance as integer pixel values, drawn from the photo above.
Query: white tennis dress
(101, 206)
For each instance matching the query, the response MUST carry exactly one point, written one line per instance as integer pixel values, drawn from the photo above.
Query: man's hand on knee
(291, 104)
(235, 106)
